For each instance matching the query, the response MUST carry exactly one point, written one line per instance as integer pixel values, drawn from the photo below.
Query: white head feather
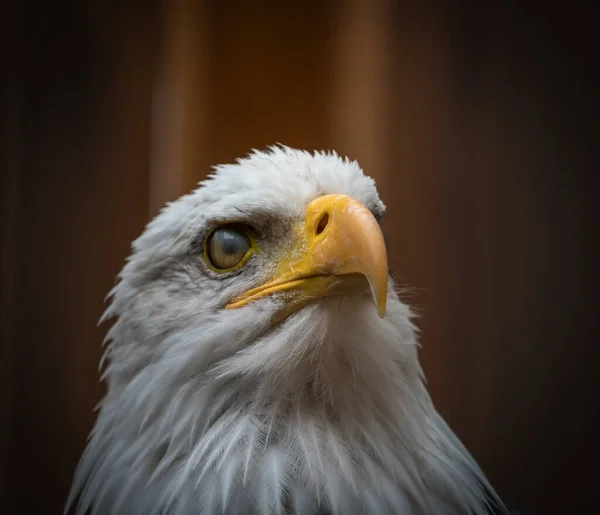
(214, 411)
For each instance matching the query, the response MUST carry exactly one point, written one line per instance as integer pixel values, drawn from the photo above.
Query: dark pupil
(227, 248)
(230, 242)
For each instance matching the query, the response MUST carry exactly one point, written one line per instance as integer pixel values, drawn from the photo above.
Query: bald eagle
(261, 361)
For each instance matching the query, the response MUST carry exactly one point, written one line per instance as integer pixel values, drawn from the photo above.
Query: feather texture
(214, 411)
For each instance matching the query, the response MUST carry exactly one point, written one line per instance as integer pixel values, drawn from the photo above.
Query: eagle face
(262, 363)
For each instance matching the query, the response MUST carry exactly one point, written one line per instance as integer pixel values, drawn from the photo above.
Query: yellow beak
(339, 250)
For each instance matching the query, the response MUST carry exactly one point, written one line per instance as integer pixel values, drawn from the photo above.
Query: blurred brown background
(476, 119)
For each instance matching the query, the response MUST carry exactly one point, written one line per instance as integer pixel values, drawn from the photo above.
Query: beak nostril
(322, 223)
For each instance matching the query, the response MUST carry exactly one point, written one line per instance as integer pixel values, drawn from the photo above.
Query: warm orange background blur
(475, 120)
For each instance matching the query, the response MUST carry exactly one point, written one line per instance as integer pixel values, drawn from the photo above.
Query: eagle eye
(227, 248)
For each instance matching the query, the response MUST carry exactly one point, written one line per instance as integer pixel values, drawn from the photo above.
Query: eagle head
(261, 361)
